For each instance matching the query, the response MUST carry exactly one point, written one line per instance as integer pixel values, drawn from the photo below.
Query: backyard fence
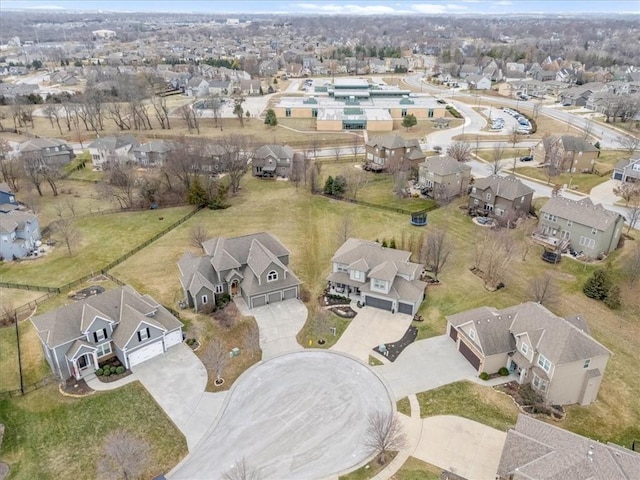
(6, 394)
(377, 205)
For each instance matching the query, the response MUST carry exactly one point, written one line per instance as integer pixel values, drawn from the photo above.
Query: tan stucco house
(557, 356)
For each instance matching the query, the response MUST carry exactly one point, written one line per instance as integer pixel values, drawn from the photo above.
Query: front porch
(351, 292)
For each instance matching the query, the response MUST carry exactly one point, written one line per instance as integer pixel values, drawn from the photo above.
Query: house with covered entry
(579, 224)
(377, 276)
(273, 161)
(254, 267)
(120, 322)
(392, 152)
(557, 356)
(500, 196)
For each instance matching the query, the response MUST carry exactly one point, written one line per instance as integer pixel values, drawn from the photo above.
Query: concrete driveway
(279, 323)
(425, 365)
(177, 381)
(462, 446)
(370, 328)
(301, 415)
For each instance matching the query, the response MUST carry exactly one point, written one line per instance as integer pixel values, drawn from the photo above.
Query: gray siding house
(377, 276)
(627, 170)
(444, 177)
(8, 200)
(120, 322)
(557, 356)
(583, 226)
(498, 195)
(536, 450)
(19, 232)
(253, 266)
(273, 161)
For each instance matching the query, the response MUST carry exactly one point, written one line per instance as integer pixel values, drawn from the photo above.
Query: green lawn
(103, 238)
(34, 367)
(487, 155)
(369, 470)
(582, 182)
(472, 401)
(403, 406)
(50, 437)
(414, 469)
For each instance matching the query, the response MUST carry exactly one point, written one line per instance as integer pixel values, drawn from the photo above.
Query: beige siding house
(444, 177)
(581, 225)
(567, 153)
(496, 195)
(392, 152)
(557, 356)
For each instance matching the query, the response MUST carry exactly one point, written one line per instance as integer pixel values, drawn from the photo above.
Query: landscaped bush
(484, 376)
(504, 371)
(119, 369)
(106, 372)
(99, 372)
(598, 285)
(113, 369)
(453, 112)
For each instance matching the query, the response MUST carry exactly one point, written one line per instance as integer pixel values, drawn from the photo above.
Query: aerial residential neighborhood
(272, 240)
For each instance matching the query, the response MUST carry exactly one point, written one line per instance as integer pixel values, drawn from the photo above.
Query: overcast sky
(351, 7)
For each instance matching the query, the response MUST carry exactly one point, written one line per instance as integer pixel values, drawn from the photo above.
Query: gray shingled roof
(570, 143)
(392, 141)
(492, 329)
(64, 324)
(113, 143)
(280, 152)
(444, 165)
(537, 450)
(158, 146)
(505, 187)
(583, 212)
(40, 143)
(14, 220)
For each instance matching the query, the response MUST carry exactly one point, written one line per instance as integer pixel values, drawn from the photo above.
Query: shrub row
(110, 370)
(453, 112)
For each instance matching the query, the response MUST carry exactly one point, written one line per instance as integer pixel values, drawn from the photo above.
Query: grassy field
(487, 155)
(369, 470)
(103, 238)
(582, 182)
(50, 437)
(34, 367)
(472, 401)
(11, 298)
(403, 406)
(414, 469)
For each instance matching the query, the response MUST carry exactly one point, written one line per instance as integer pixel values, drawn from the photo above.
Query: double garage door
(379, 303)
(145, 353)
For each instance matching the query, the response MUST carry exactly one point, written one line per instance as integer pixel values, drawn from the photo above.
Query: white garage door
(145, 353)
(172, 338)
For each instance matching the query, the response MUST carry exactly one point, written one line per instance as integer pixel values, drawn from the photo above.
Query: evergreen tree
(270, 118)
(197, 194)
(409, 121)
(613, 299)
(339, 186)
(392, 243)
(384, 243)
(328, 186)
(598, 285)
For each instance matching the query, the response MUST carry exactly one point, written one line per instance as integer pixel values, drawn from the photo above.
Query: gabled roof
(155, 146)
(260, 258)
(15, 220)
(36, 144)
(582, 212)
(114, 143)
(492, 329)
(538, 450)
(392, 141)
(444, 165)
(508, 187)
(281, 152)
(121, 305)
(228, 253)
(131, 321)
(570, 143)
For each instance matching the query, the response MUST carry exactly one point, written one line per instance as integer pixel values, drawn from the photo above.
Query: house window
(587, 242)
(342, 268)
(488, 196)
(551, 218)
(544, 363)
(525, 348)
(569, 223)
(539, 383)
(594, 231)
(430, 113)
(104, 349)
(587, 362)
(379, 284)
(287, 112)
(357, 275)
(472, 334)
(314, 112)
(219, 288)
(272, 276)
(473, 190)
(100, 335)
(143, 334)
(404, 112)
(204, 299)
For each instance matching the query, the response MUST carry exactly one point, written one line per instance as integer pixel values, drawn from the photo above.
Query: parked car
(528, 158)
(551, 257)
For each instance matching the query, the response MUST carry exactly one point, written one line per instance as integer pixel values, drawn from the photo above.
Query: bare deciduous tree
(241, 470)
(493, 252)
(525, 231)
(543, 289)
(437, 250)
(384, 434)
(630, 144)
(343, 232)
(631, 267)
(66, 232)
(238, 150)
(162, 111)
(238, 111)
(461, 151)
(188, 114)
(630, 193)
(198, 235)
(9, 167)
(497, 154)
(513, 136)
(52, 112)
(316, 177)
(357, 179)
(123, 457)
(252, 340)
(356, 145)
(216, 358)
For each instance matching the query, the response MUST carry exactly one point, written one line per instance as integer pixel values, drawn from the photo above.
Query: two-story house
(117, 149)
(581, 225)
(8, 200)
(273, 161)
(377, 276)
(444, 177)
(152, 154)
(567, 153)
(498, 195)
(120, 322)
(627, 170)
(253, 266)
(19, 234)
(46, 152)
(557, 356)
(391, 152)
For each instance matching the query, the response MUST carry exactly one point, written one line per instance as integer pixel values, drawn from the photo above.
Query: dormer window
(272, 276)
(143, 334)
(100, 335)
(524, 348)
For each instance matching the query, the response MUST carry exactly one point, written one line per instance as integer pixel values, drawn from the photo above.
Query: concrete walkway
(370, 328)
(279, 323)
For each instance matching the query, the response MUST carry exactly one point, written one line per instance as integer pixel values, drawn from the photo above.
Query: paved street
(425, 365)
(297, 416)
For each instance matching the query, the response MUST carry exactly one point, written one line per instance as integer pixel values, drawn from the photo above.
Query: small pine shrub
(106, 372)
(484, 376)
(504, 371)
(120, 370)
(613, 299)
(598, 285)
(99, 372)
